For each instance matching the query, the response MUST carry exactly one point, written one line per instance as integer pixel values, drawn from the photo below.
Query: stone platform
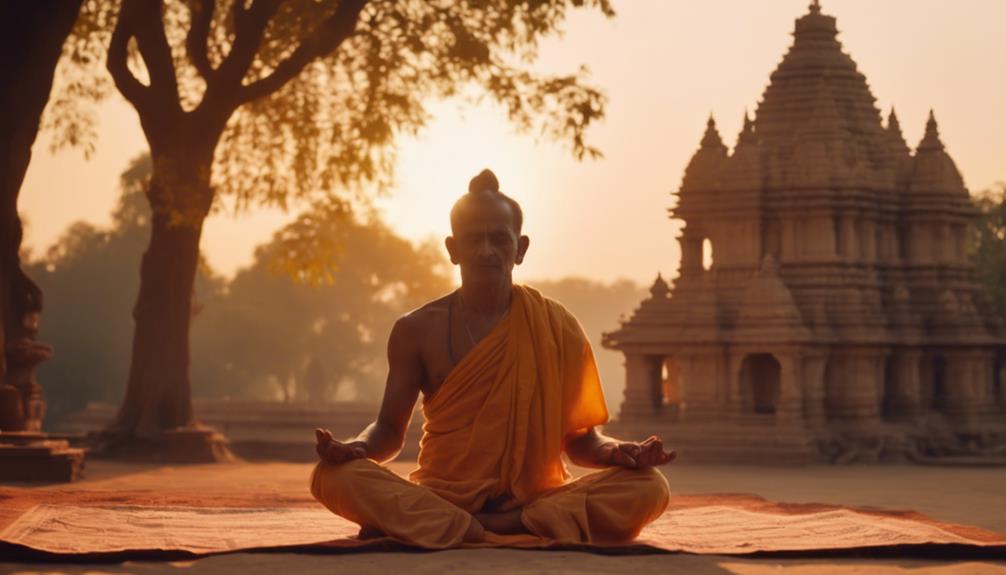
(264, 430)
(752, 440)
(31, 456)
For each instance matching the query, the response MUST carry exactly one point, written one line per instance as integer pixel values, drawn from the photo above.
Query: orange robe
(493, 440)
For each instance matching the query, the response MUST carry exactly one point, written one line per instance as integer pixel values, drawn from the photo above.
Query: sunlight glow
(434, 169)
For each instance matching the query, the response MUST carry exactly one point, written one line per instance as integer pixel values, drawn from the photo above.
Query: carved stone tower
(824, 299)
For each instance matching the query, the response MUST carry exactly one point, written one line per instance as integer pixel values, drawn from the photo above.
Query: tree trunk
(31, 40)
(158, 393)
(155, 420)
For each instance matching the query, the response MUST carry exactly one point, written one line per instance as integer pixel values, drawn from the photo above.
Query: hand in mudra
(333, 451)
(648, 453)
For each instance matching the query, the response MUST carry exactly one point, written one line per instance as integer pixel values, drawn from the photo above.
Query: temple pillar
(701, 376)
(920, 248)
(847, 245)
(853, 386)
(813, 388)
(902, 385)
(868, 241)
(642, 384)
(959, 232)
(734, 397)
(790, 241)
(816, 238)
(968, 384)
(691, 254)
(789, 408)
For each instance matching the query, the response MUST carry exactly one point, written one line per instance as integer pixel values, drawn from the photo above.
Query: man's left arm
(591, 448)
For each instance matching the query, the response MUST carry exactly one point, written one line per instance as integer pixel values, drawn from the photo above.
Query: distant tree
(268, 100)
(988, 244)
(598, 306)
(31, 39)
(293, 318)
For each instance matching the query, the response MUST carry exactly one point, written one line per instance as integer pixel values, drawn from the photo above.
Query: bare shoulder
(568, 323)
(423, 319)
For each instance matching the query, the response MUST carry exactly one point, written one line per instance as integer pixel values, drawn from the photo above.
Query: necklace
(464, 318)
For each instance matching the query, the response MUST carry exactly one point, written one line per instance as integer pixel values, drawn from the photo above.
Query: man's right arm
(383, 439)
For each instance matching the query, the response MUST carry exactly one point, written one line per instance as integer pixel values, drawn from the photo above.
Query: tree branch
(155, 50)
(117, 62)
(249, 28)
(324, 40)
(199, 33)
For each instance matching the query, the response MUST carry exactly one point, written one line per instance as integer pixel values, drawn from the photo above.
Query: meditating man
(509, 384)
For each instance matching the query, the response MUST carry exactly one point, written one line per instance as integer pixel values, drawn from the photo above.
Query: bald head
(486, 188)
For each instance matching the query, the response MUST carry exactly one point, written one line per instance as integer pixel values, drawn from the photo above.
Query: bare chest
(441, 352)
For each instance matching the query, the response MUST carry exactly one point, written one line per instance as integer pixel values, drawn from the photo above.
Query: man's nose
(485, 247)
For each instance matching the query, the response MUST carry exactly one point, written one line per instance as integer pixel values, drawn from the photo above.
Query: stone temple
(825, 306)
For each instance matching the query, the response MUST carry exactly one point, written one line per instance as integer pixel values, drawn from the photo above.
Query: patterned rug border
(983, 544)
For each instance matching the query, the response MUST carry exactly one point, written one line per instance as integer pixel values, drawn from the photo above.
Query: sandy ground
(974, 496)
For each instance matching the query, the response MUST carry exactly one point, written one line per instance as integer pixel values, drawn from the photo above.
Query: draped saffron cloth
(495, 429)
(493, 441)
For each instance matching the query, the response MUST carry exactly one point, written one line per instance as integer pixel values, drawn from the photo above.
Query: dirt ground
(974, 496)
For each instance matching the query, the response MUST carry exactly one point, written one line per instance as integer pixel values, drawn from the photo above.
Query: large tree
(31, 38)
(89, 278)
(265, 101)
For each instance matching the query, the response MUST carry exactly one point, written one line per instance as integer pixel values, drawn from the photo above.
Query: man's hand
(334, 451)
(648, 453)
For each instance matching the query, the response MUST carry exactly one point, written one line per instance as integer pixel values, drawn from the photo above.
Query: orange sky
(665, 65)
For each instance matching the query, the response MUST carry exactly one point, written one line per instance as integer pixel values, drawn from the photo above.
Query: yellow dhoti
(608, 506)
(493, 440)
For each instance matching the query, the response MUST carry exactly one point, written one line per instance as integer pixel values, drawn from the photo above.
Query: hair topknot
(486, 180)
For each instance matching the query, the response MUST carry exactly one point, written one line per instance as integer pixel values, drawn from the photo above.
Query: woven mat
(724, 525)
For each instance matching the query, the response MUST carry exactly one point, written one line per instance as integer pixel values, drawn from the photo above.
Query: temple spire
(894, 131)
(712, 139)
(815, 7)
(747, 135)
(659, 289)
(931, 139)
(892, 121)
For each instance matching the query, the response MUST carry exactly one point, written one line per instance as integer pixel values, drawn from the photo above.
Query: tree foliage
(988, 245)
(319, 89)
(280, 326)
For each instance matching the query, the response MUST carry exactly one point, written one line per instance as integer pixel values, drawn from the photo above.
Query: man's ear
(522, 244)
(449, 244)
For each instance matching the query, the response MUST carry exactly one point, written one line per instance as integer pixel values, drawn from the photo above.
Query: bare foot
(368, 532)
(505, 523)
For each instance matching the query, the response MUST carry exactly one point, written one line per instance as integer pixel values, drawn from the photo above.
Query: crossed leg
(607, 506)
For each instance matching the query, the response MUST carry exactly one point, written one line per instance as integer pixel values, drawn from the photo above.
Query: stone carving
(26, 453)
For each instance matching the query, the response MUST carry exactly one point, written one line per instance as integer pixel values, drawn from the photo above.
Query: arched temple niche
(761, 376)
(707, 254)
(672, 394)
(696, 250)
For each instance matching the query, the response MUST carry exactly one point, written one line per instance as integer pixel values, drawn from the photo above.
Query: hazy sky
(665, 65)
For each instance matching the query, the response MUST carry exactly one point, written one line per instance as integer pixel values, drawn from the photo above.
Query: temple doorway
(888, 406)
(760, 376)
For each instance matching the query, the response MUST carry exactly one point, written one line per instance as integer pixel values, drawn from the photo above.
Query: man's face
(484, 242)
